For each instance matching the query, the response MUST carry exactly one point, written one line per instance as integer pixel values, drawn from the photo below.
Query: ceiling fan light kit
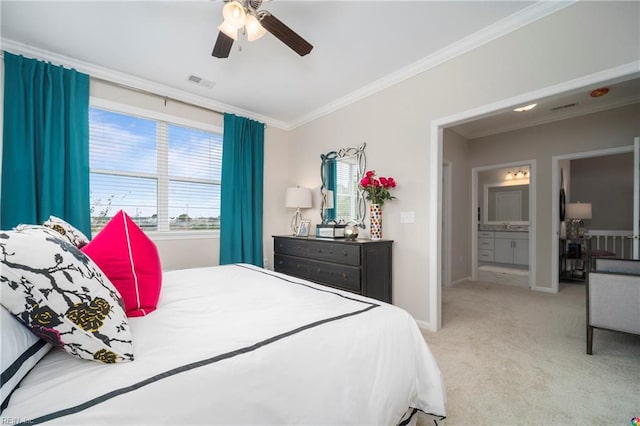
(234, 14)
(243, 16)
(254, 29)
(229, 30)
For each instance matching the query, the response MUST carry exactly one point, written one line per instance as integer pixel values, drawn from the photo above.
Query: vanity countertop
(502, 228)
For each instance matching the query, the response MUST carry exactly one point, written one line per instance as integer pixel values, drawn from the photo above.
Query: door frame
(447, 243)
(555, 203)
(434, 234)
(532, 215)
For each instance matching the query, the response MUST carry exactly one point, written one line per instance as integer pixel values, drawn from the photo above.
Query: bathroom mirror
(506, 203)
(340, 172)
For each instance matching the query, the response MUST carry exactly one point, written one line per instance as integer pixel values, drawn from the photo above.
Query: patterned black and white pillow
(62, 296)
(68, 231)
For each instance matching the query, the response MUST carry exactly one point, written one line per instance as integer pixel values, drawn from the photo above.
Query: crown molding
(506, 25)
(110, 75)
(511, 23)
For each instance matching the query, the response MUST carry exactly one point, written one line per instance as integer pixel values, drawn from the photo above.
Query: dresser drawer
(485, 255)
(291, 266)
(485, 243)
(346, 254)
(485, 234)
(360, 266)
(341, 276)
(291, 246)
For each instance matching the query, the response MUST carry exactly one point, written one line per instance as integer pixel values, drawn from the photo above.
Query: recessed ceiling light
(525, 108)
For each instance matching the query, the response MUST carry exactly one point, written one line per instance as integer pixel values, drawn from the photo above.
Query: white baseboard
(461, 280)
(425, 326)
(543, 289)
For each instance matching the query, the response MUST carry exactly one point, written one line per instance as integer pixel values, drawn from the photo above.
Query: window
(165, 175)
(346, 188)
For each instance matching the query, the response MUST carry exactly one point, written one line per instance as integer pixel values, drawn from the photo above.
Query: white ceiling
(622, 91)
(359, 47)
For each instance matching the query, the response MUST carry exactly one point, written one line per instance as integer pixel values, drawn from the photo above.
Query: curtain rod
(146, 92)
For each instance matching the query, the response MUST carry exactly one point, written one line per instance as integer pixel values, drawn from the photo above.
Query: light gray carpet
(512, 356)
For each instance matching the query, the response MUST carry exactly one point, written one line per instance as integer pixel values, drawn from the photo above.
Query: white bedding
(238, 344)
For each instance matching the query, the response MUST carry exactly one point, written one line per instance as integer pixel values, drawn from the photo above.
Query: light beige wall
(607, 129)
(395, 122)
(456, 150)
(606, 183)
(277, 177)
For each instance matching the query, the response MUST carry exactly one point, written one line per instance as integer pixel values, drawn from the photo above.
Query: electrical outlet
(265, 262)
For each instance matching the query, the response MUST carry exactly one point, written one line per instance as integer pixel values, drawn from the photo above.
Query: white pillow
(20, 351)
(68, 231)
(62, 296)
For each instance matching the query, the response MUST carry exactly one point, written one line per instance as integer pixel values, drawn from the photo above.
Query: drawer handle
(345, 254)
(345, 276)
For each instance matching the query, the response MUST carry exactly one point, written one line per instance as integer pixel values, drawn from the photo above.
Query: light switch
(407, 217)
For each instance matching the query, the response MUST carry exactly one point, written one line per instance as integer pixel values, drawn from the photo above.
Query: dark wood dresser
(360, 266)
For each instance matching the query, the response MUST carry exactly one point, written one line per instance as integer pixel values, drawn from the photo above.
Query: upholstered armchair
(613, 297)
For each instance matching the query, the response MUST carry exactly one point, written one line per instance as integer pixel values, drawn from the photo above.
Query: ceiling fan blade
(222, 46)
(284, 33)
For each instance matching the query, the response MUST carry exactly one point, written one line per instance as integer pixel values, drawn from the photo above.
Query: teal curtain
(45, 157)
(332, 176)
(242, 191)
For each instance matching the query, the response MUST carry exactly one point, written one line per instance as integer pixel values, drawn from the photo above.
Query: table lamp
(297, 198)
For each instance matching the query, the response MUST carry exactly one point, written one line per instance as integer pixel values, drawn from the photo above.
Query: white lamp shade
(234, 14)
(578, 211)
(254, 29)
(298, 198)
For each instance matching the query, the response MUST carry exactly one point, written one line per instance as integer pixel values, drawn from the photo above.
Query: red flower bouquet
(377, 189)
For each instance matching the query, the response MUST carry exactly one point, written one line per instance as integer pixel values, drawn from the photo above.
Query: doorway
(435, 234)
(503, 246)
(557, 164)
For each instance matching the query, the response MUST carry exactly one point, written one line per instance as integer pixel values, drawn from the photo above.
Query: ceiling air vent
(200, 81)
(558, 108)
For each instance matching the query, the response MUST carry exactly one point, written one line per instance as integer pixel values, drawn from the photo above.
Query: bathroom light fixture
(520, 174)
(525, 108)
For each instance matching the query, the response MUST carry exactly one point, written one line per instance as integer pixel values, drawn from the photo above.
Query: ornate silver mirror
(342, 200)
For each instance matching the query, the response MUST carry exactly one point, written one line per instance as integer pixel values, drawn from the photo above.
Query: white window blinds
(166, 176)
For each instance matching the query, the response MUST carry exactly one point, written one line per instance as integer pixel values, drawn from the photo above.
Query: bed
(238, 344)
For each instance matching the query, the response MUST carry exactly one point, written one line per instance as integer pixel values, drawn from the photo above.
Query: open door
(636, 198)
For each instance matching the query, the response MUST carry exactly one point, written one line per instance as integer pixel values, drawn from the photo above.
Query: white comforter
(238, 344)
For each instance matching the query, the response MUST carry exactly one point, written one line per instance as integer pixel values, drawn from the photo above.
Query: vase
(375, 221)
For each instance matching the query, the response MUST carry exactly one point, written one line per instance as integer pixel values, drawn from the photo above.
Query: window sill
(183, 235)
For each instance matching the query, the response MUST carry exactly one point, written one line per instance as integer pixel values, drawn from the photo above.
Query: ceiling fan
(244, 16)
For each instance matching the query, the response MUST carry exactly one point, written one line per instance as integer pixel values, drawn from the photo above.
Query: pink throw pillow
(131, 262)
